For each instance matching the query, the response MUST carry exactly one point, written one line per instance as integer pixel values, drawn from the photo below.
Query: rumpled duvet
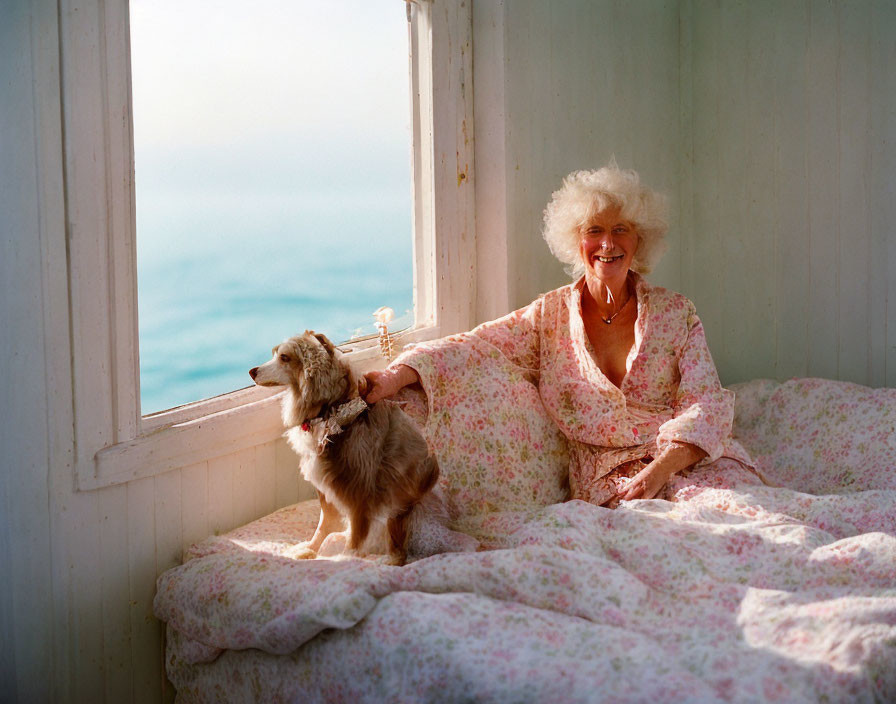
(733, 591)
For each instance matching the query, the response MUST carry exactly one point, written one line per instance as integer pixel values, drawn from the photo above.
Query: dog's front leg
(330, 522)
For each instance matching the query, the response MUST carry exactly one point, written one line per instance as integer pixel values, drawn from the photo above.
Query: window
(114, 443)
(272, 174)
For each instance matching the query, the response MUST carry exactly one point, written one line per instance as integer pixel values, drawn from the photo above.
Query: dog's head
(313, 370)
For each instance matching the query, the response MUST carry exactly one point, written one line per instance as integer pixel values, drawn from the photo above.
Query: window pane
(272, 150)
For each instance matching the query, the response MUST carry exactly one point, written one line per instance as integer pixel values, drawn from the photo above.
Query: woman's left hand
(647, 483)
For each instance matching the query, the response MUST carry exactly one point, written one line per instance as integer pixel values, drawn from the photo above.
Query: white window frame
(114, 443)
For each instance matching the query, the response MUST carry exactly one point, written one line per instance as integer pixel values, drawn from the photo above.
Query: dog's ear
(325, 342)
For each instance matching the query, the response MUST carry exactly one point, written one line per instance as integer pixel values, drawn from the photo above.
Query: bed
(732, 592)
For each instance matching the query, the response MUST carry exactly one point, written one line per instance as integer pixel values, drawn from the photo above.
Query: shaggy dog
(369, 464)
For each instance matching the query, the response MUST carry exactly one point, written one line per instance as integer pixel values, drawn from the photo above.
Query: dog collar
(336, 420)
(344, 414)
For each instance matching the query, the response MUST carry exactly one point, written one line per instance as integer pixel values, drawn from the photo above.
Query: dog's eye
(284, 358)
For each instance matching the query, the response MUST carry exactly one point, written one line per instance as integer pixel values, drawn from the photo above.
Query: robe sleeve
(515, 337)
(703, 410)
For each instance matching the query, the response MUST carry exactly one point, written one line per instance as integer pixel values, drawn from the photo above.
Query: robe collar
(583, 345)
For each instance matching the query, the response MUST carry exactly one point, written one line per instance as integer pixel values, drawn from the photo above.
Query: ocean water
(218, 288)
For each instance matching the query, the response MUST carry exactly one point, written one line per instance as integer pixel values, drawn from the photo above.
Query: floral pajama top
(671, 392)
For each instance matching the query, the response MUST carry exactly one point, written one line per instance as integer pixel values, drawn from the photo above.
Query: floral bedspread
(734, 591)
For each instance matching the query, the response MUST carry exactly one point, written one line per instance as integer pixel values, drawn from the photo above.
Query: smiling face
(607, 245)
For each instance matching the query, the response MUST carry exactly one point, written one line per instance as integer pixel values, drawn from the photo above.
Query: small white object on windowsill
(384, 316)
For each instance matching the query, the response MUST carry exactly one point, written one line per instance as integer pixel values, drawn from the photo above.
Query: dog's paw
(334, 544)
(300, 551)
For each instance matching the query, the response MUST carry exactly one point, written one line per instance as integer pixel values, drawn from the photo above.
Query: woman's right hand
(380, 384)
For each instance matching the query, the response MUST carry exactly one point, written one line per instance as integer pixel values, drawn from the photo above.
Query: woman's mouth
(607, 260)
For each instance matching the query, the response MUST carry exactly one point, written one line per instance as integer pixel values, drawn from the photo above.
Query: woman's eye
(284, 358)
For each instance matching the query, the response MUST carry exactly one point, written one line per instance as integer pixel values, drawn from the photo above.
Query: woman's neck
(608, 297)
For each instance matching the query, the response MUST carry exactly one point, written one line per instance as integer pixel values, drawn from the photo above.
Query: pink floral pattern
(478, 380)
(733, 591)
(820, 436)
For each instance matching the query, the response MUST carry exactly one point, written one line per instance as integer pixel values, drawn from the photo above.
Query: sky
(284, 104)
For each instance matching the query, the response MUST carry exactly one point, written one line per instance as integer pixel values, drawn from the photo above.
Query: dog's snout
(253, 372)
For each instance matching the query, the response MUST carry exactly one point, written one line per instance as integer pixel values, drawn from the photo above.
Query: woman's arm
(647, 483)
(514, 336)
(703, 409)
(380, 384)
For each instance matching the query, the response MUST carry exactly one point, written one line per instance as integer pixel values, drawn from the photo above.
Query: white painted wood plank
(77, 520)
(707, 285)
(220, 494)
(169, 542)
(882, 190)
(192, 441)
(115, 565)
(792, 201)
(528, 60)
(657, 150)
(453, 168)
(52, 667)
(685, 253)
(25, 598)
(265, 479)
(244, 487)
(146, 634)
(734, 233)
(824, 194)
(491, 159)
(50, 681)
(86, 210)
(854, 262)
(750, 258)
(168, 520)
(287, 474)
(7, 608)
(194, 504)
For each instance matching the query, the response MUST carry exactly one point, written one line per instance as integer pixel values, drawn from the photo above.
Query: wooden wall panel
(287, 475)
(146, 632)
(25, 586)
(882, 278)
(854, 161)
(702, 233)
(791, 190)
(195, 504)
(823, 215)
(790, 223)
(583, 81)
(114, 548)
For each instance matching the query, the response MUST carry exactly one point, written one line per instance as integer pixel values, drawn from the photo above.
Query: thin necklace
(613, 317)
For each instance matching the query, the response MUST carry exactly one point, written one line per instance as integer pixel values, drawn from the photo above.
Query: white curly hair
(584, 194)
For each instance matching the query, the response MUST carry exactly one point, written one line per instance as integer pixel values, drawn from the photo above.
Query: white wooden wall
(770, 125)
(789, 211)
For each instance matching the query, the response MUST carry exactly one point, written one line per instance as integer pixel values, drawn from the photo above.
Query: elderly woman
(622, 367)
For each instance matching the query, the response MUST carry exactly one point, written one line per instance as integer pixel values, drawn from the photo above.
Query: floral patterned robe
(671, 392)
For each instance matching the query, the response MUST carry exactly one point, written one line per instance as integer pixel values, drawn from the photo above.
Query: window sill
(214, 427)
